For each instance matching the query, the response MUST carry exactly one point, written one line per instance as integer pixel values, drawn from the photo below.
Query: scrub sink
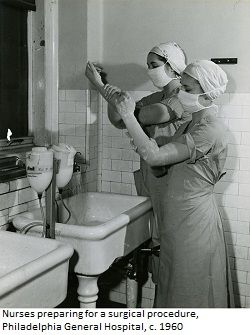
(102, 227)
(30, 269)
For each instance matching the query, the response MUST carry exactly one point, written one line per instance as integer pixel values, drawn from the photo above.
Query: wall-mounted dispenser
(64, 154)
(39, 167)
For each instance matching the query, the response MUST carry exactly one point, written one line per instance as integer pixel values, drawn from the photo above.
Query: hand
(92, 72)
(124, 104)
(110, 91)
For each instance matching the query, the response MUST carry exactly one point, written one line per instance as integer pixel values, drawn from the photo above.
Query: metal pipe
(49, 227)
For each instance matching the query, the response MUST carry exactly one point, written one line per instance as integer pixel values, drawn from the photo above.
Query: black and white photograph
(124, 162)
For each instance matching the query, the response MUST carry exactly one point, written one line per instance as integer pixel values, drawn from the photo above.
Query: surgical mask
(159, 76)
(190, 102)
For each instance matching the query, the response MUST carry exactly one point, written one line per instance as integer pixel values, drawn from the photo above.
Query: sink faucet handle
(78, 160)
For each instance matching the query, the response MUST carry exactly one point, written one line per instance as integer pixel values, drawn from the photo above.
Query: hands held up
(115, 96)
(92, 72)
(122, 100)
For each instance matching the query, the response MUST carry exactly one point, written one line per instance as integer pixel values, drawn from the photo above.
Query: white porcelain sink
(29, 271)
(103, 227)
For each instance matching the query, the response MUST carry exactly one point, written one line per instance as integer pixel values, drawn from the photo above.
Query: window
(14, 67)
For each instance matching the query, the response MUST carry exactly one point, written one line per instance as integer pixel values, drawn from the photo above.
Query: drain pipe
(131, 285)
(102, 108)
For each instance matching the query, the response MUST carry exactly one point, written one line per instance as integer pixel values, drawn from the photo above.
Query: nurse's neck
(171, 86)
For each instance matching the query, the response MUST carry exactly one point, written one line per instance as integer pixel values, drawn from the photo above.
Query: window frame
(20, 144)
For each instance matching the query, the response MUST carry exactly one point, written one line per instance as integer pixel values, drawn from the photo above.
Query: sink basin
(29, 271)
(102, 227)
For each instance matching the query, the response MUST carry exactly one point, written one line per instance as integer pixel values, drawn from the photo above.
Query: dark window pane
(24, 4)
(13, 71)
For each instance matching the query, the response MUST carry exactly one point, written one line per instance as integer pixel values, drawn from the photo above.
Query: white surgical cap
(212, 78)
(173, 54)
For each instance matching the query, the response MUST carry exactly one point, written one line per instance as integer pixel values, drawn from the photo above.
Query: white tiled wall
(232, 192)
(78, 127)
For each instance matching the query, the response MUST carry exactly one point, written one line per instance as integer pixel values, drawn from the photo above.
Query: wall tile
(4, 188)
(4, 212)
(236, 226)
(120, 188)
(244, 214)
(246, 112)
(106, 186)
(232, 163)
(67, 107)
(234, 137)
(67, 129)
(244, 177)
(8, 200)
(111, 176)
(245, 164)
(239, 124)
(26, 195)
(245, 138)
(81, 107)
(230, 112)
(75, 95)
(121, 143)
(118, 165)
(18, 209)
(243, 240)
(106, 164)
(242, 264)
(244, 189)
(240, 99)
(127, 177)
(238, 251)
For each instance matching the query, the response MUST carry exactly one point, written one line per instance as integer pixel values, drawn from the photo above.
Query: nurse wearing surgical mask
(194, 271)
(160, 114)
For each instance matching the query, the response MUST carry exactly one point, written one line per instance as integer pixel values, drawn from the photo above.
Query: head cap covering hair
(211, 77)
(173, 54)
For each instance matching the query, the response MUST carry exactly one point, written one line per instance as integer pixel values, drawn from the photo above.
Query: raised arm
(150, 114)
(95, 78)
(147, 148)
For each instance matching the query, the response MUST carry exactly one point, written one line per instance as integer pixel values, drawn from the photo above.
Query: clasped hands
(122, 100)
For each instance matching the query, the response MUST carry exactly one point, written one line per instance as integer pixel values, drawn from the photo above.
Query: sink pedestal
(87, 291)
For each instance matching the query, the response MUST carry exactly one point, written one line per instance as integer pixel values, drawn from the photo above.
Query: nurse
(194, 270)
(160, 114)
